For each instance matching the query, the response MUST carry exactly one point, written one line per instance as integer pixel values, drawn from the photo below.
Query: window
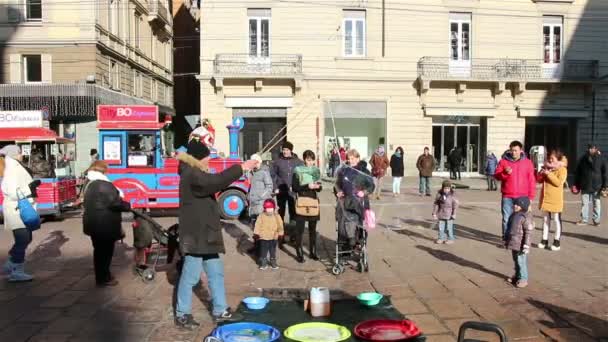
(33, 10)
(354, 34)
(460, 36)
(137, 83)
(114, 75)
(113, 17)
(552, 39)
(259, 32)
(154, 90)
(141, 149)
(137, 25)
(32, 68)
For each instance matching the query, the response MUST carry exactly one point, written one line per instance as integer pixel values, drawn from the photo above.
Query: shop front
(263, 129)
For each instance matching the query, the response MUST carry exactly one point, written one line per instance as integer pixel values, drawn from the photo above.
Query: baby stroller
(158, 240)
(351, 244)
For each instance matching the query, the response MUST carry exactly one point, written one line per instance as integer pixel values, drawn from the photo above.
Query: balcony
(158, 15)
(506, 70)
(244, 66)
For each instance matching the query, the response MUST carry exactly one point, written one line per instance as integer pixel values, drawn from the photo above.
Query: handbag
(27, 212)
(307, 206)
(370, 219)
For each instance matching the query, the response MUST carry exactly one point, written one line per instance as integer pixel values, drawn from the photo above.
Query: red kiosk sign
(127, 117)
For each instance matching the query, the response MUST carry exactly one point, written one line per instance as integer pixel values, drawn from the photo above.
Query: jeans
(491, 183)
(103, 251)
(507, 210)
(443, 225)
(597, 207)
(557, 217)
(283, 200)
(521, 265)
(22, 237)
(191, 275)
(425, 185)
(397, 185)
(267, 247)
(378, 185)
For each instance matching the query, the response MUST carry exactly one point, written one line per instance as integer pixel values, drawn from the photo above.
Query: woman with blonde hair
(102, 219)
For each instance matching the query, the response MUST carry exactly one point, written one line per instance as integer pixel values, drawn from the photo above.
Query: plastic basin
(256, 303)
(369, 298)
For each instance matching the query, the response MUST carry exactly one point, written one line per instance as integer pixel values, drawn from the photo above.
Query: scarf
(307, 175)
(93, 175)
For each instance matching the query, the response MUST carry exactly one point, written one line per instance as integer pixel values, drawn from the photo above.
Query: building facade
(65, 57)
(446, 74)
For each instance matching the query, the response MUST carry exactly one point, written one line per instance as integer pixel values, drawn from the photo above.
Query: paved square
(438, 286)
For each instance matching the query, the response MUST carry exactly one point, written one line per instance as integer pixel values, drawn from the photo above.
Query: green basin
(369, 298)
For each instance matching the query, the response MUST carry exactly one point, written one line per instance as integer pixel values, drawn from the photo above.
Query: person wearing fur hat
(282, 176)
(200, 231)
(268, 230)
(552, 176)
(444, 210)
(518, 238)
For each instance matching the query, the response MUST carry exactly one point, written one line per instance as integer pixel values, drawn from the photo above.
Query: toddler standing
(444, 210)
(268, 229)
(517, 239)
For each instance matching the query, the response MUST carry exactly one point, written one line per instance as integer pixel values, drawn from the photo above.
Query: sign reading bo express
(20, 119)
(107, 113)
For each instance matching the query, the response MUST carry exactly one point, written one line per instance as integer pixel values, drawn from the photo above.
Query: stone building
(65, 57)
(446, 74)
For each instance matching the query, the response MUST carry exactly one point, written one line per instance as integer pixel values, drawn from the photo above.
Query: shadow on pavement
(50, 247)
(447, 256)
(585, 237)
(592, 326)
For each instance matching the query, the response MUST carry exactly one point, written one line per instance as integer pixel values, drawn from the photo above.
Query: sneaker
(186, 322)
(543, 244)
(521, 284)
(273, 264)
(596, 223)
(439, 241)
(581, 223)
(555, 246)
(227, 316)
(449, 242)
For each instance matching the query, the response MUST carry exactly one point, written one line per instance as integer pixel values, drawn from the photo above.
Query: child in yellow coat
(552, 176)
(268, 230)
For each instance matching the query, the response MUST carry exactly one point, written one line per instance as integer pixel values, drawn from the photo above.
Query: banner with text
(20, 119)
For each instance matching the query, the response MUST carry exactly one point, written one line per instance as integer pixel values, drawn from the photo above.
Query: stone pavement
(437, 286)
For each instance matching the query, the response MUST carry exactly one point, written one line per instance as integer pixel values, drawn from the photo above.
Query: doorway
(461, 133)
(553, 133)
(258, 132)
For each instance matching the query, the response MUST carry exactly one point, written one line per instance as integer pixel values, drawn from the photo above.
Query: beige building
(65, 57)
(468, 74)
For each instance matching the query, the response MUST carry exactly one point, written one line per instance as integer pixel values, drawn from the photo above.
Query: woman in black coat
(308, 190)
(397, 169)
(102, 219)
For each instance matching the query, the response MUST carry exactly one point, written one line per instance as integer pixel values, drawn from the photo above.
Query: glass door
(464, 137)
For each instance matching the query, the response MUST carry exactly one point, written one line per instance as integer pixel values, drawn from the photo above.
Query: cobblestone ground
(437, 286)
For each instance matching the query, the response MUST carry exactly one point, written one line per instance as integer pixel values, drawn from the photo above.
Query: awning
(430, 110)
(31, 134)
(355, 109)
(554, 113)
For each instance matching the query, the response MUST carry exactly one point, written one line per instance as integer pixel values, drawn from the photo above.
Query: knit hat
(446, 184)
(287, 145)
(198, 150)
(269, 204)
(10, 151)
(522, 202)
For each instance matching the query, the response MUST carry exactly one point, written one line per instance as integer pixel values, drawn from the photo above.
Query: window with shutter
(354, 33)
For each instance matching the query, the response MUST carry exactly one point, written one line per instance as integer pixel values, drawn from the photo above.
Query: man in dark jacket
(591, 178)
(425, 166)
(200, 234)
(282, 175)
(455, 160)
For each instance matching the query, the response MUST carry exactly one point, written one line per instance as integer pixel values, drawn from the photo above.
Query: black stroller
(351, 244)
(163, 240)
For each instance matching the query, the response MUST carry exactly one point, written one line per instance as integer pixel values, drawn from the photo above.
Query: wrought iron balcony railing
(506, 69)
(237, 65)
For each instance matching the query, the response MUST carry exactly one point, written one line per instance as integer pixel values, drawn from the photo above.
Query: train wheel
(232, 203)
